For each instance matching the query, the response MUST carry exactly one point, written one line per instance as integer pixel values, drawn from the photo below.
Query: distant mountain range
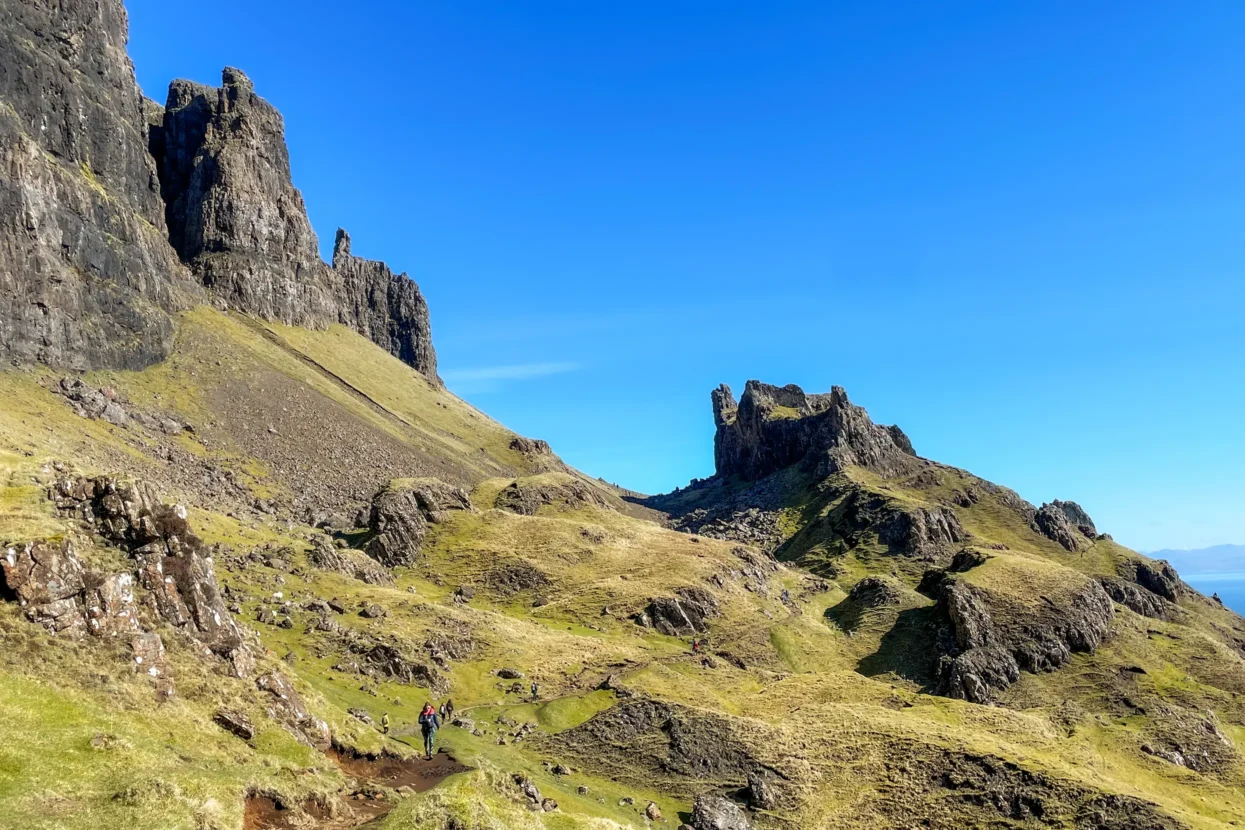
(1217, 559)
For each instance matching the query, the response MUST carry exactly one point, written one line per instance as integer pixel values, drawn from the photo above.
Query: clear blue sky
(1015, 229)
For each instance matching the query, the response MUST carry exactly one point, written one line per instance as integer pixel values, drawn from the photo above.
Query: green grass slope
(790, 685)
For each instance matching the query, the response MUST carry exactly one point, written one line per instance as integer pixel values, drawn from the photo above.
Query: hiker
(535, 690)
(429, 723)
(695, 645)
(446, 711)
(384, 723)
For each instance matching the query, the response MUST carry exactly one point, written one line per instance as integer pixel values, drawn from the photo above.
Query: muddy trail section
(366, 805)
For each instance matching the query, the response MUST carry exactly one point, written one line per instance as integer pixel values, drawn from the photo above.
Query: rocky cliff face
(773, 427)
(87, 278)
(384, 307)
(237, 220)
(108, 197)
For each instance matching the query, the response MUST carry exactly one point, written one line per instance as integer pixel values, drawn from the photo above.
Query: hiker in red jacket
(429, 723)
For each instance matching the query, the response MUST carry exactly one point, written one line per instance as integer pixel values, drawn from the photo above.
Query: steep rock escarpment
(384, 307)
(401, 513)
(107, 197)
(87, 277)
(236, 219)
(989, 638)
(773, 427)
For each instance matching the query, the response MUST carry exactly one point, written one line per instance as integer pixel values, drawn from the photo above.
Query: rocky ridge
(108, 194)
(773, 427)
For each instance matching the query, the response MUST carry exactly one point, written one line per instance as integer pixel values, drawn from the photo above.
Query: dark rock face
(986, 645)
(286, 704)
(1077, 516)
(999, 793)
(87, 277)
(530, 447)
(923, 532)
(1148, 588)
(171, 562)
(1136, 598)
(713, 812)
(236, 218)
(401, 514)
(384, 307)
(106, 195)
(687, 613)
(773, 427)
(1051, 520)
(1157, 577)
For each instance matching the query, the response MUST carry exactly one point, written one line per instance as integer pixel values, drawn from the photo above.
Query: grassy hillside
(822, 693)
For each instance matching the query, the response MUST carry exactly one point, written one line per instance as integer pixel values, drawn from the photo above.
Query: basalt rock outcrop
(987, 641)
(686, 613)
(56, 591)
(773, 427)
(1148, 588)
(400, 516)
(171, 563)
(1052, 521)
(236, 219)
(108, 197)
(87, 277)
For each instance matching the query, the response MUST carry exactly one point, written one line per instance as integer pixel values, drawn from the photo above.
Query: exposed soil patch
(393, 772)
(265, 813)
(413, 775)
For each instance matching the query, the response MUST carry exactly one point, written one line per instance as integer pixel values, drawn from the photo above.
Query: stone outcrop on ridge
(237, 220)
(773, 427)
(108, 197)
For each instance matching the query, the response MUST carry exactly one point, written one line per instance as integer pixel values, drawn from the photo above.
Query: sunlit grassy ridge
(836, 704)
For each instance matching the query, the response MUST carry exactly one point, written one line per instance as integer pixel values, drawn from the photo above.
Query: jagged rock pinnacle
(774, 427)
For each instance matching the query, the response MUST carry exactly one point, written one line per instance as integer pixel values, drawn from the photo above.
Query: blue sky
(1014, 229)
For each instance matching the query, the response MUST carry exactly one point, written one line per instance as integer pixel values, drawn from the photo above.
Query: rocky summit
(246, 533)
(119, 212)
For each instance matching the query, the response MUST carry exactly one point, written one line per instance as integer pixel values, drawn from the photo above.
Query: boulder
(762, 790)
(236, 723)
(286, 705)
(325, 557)
(401, 513)
(684, 614)
(713, 812)
(1052, 522)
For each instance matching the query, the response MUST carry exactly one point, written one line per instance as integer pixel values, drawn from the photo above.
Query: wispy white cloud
(491, 378)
